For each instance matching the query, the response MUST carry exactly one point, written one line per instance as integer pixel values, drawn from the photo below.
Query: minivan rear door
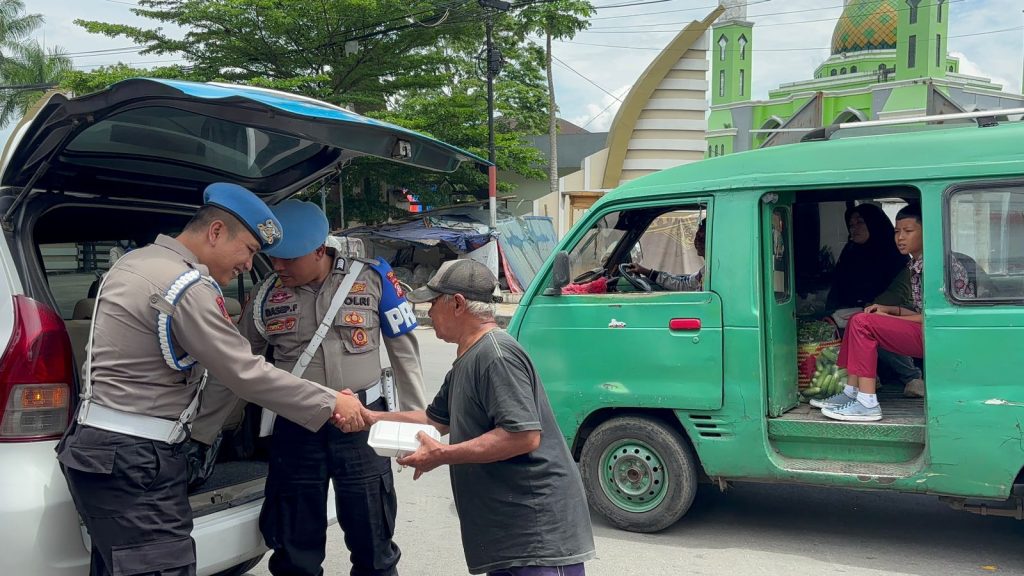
(165, 140)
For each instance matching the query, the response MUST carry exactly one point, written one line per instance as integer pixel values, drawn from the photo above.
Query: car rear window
(170, 134)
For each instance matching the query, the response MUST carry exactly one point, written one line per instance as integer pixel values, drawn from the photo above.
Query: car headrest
(233, 306)
(83, 309)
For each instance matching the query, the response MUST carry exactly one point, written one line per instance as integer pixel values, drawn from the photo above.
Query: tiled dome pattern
(866, 25)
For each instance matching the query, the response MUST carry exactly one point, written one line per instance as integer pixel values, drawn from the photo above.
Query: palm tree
(26, 68)
(15, 26)
(28, 76)
(555, 19)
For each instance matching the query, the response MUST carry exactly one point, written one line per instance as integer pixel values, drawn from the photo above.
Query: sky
(597, 67)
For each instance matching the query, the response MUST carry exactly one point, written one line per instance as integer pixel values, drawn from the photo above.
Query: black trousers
(132, 495)
(896, 367)
(294, 516)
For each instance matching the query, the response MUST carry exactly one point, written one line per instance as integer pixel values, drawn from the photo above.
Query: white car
(84, 178)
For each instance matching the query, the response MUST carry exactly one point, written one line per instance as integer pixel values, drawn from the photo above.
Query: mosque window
(939, 10)
(743, 47)
(913, 10)
(938, 49)
(853, 69)
(833, 72)
(722, 43)
(951, 69)
(721, 83)
(743, 78)
(842, 70)
(912, 51)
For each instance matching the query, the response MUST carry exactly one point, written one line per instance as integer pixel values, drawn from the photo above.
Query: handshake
(349, 413)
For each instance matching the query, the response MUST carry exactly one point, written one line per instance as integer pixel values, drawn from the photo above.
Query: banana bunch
(829, 379)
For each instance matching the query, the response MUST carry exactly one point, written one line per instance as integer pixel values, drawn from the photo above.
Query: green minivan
(656, 390)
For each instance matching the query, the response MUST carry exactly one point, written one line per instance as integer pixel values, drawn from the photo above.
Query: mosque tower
(731, 59)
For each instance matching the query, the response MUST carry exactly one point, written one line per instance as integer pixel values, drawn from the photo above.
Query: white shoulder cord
(267, 418)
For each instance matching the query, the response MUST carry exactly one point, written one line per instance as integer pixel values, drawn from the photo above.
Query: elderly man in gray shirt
(518, 494)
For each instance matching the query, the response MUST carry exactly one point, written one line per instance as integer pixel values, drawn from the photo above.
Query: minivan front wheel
(639, 473)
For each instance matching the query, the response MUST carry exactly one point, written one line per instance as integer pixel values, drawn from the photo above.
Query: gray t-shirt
(529, 510)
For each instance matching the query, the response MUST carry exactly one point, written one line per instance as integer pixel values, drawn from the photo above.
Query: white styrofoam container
(397, 439)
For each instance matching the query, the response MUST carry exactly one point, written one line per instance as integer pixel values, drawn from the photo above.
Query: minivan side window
(780, 254)
(667, 245)
(985, 234)
(594, 249)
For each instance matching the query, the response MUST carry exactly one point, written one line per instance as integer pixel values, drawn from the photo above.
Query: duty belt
(148, 427)
(371, 394)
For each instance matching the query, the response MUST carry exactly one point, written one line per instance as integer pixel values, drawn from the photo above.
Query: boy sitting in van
(682, 282)
(894, 328)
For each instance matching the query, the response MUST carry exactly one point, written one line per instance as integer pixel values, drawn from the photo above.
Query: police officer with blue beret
(326, 314)
(159, 326)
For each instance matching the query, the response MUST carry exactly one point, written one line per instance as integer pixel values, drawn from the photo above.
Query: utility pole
(493, 63)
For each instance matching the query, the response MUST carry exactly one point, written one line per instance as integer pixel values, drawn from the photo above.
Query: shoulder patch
(393, 278)
(223, 308)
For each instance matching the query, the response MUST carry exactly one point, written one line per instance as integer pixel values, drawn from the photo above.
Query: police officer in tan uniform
(159, 324)
(369, 307)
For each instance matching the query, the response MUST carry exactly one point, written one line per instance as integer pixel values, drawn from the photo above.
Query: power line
(985, 33)
(574, 71)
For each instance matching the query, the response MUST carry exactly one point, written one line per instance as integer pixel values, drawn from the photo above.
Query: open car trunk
(69, 246)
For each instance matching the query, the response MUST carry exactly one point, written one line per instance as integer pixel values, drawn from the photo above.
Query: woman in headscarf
(869, 263)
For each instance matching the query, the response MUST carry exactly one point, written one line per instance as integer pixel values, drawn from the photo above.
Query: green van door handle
(684, 324)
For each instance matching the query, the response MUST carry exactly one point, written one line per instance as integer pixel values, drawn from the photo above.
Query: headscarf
(864, 271)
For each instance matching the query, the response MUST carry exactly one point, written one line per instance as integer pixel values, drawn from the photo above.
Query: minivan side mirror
(559, 274)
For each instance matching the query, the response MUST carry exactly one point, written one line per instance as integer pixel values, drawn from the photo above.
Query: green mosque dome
(866, 25)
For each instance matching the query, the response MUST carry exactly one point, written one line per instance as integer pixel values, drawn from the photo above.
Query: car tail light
(36, 375)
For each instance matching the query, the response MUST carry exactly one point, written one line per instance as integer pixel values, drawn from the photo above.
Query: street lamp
(493, 63)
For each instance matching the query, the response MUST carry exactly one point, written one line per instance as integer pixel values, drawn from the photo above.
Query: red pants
(866, 332)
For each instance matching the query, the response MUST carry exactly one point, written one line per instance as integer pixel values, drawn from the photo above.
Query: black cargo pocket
(153, 557)
(389, 504)
(105, 480)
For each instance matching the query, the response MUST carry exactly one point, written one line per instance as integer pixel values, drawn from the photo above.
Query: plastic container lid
(397, 439)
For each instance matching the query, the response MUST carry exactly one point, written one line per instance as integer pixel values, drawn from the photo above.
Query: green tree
(79, 82)
(558, 19)
(414, 64)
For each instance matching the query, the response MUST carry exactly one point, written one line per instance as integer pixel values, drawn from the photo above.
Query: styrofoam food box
(397, 439)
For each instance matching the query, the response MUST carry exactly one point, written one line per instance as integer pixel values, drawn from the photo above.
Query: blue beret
(252, 212)
(306, 226)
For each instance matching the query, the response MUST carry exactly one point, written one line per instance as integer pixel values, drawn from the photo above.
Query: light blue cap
(252, 212)
(306, 227)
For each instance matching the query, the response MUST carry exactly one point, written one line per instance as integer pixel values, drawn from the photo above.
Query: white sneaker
(853, 411)
(833, 401)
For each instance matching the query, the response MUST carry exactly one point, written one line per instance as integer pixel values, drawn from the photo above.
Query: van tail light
(36, 375)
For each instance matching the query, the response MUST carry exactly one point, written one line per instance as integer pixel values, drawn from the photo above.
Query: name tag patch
(273, 311)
